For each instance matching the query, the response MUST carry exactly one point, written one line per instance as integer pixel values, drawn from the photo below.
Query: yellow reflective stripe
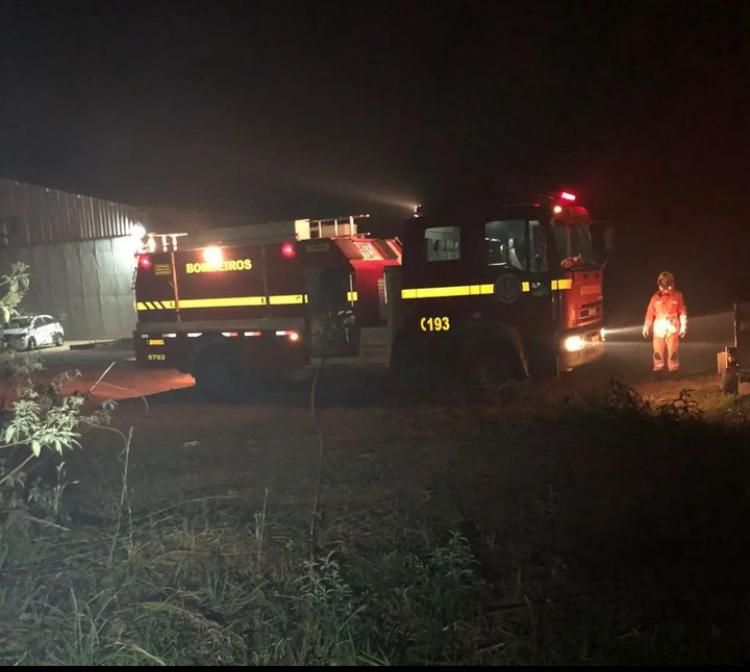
(458, 290)
(225, 302)
(286, 299)
(562, 283)
(154, 305)
(297, 299)
(437, 292)
(156, 341)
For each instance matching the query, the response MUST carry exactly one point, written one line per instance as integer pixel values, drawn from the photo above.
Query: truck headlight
(574, 343)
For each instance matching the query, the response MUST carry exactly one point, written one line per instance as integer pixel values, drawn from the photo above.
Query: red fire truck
(509, 293)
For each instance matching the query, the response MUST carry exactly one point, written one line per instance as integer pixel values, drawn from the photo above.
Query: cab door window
(443, 243)
(506, 244)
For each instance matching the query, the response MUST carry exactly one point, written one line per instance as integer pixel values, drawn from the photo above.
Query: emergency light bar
(567, 198)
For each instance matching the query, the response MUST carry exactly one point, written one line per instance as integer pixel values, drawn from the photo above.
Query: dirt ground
(452, 461)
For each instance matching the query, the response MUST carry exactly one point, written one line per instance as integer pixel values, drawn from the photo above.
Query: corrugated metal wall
(85, 284)
(80, 253)
(31, 215)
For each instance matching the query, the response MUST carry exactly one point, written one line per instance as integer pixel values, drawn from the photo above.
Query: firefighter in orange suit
(666, 318)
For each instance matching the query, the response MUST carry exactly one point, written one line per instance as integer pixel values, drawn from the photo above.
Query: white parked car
(27, 332)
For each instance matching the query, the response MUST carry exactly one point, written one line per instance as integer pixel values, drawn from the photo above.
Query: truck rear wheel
(217, 375)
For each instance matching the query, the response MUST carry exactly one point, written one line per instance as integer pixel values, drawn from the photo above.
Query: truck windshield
(574, 245)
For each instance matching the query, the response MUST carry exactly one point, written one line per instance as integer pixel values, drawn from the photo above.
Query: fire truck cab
(518, 289)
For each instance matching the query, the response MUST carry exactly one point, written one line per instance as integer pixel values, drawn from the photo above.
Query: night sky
(280, 109)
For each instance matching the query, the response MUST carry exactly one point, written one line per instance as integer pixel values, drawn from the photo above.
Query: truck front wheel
(489, 366)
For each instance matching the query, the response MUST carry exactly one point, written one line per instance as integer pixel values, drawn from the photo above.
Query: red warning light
(567, 196)
(288, 251)
(144, 261)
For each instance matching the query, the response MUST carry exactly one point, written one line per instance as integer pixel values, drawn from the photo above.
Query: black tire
(489, 366)
(217, 375)
(730, 382)
(58, 340)
(31, 344)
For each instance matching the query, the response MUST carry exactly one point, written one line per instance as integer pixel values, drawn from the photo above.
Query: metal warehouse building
(81, 256)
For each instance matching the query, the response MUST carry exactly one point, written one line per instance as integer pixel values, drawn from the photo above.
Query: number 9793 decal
(429, 324)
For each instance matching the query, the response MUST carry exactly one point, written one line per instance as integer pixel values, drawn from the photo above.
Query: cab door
(442, 284)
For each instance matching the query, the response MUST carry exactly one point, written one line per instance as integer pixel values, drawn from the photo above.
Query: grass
(605, 529)
(196, 596)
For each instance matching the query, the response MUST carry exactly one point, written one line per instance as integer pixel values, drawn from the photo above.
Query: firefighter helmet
(665, 280)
